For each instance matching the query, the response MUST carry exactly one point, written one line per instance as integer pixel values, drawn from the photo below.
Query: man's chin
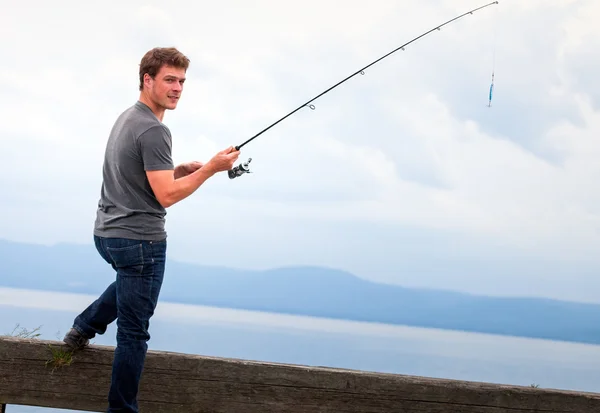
(170, 103)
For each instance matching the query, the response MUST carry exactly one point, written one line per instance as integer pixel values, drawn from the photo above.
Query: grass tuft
(24, 333)
(60, 358)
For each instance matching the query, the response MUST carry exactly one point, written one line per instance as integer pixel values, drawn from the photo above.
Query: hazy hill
(308, 291)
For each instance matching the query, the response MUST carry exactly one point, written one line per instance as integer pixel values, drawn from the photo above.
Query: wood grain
(177, 383)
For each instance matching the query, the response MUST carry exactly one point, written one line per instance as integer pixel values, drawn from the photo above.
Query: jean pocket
(129, 259)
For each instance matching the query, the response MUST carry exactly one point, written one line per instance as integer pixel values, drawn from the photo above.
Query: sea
(262, 336)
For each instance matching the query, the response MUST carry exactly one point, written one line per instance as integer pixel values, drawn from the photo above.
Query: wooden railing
(42, 373)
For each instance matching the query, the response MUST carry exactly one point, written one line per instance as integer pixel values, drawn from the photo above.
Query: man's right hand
(223, 160)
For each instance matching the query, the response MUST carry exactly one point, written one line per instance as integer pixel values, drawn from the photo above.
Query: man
(139, 183)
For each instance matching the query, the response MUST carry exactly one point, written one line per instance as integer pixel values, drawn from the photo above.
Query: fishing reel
(239, 170)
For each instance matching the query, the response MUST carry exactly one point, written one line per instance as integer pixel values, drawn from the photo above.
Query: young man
(139, 183)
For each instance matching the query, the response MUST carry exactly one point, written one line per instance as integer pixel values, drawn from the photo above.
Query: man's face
(165, 89)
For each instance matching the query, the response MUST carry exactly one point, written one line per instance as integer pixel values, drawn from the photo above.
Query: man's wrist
(208, 168)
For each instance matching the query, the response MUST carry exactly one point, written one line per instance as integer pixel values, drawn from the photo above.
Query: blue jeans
(131, 300)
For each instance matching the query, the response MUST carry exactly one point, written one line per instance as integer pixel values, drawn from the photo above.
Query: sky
(405, 172)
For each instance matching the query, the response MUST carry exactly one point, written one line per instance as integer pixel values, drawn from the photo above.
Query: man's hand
(187, 168)
(223, 160)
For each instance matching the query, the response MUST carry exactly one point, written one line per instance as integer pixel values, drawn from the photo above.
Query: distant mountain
(313, 291)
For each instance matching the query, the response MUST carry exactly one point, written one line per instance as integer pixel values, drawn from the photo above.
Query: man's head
(162, 74)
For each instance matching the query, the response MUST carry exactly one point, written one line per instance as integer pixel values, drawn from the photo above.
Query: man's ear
(148, 80)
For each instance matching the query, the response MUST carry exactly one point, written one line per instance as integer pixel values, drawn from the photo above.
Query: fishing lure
(243, 168)
(491, 90)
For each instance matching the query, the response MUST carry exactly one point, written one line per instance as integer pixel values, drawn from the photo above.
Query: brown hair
(154, 59)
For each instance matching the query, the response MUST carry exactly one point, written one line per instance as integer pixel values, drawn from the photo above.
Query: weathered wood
(175, 383)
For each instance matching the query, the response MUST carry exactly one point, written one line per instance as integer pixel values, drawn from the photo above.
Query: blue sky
(405, 171)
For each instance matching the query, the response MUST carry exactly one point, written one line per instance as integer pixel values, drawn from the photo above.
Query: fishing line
(244, 167)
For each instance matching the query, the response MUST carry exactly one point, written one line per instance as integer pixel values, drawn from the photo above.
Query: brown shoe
(76, 340)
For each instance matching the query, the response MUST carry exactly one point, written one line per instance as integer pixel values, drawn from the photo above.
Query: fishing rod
(244, 167)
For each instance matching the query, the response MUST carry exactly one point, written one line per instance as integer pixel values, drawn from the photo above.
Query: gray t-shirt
(128, 208)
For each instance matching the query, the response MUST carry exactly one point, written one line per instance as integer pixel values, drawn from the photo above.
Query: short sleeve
(155, 146)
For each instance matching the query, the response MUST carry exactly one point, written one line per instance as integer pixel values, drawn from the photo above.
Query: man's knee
(132, 329)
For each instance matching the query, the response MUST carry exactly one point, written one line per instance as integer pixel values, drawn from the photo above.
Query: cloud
(409, 145)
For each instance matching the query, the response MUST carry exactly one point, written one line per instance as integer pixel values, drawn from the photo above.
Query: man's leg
(99, 314)
(140, 270)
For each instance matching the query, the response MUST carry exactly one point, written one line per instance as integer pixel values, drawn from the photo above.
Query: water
(325, 342)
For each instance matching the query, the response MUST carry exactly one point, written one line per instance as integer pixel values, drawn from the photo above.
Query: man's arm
(168, 185)
(169, 190)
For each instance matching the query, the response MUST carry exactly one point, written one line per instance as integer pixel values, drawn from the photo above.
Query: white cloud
(411, 143)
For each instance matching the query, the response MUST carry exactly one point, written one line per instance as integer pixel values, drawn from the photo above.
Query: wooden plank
(175, 383)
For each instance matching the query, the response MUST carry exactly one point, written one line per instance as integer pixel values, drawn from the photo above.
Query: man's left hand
(187, 168)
